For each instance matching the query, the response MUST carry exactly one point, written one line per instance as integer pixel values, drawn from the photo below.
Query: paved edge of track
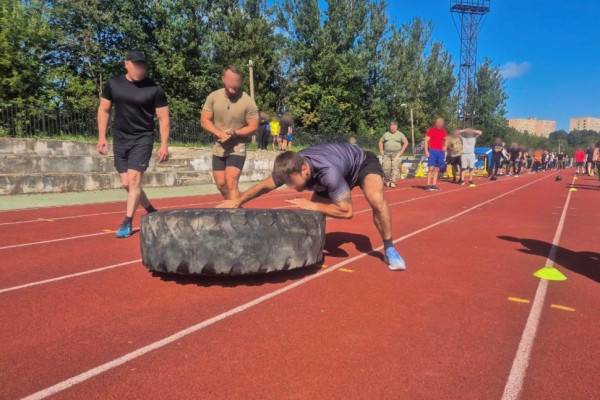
(65, 384)
(518, 371)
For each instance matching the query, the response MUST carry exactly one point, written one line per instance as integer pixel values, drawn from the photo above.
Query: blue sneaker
(394, 259)
(125, 230)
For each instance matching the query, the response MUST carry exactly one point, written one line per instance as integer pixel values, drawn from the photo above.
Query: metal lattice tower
(469, 15)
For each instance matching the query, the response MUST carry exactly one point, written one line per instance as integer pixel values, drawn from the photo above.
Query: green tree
(490, 101)
(25, 40)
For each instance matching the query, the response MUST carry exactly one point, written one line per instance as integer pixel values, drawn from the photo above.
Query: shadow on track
(362, 243)
(233, 281)
(586, 263)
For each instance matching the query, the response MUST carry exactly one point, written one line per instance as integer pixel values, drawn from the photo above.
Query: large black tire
(231, 241)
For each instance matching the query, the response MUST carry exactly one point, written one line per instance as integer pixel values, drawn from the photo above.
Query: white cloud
(512, 69)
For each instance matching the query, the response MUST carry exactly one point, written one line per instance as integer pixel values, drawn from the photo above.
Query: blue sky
(549, 51)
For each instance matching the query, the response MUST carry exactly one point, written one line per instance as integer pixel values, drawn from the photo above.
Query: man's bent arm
(249, 129)
(341, 209)
(207, 124)
(404, 147)
(262, 187)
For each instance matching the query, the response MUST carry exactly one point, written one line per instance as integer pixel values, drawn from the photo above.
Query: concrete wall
(50, 166)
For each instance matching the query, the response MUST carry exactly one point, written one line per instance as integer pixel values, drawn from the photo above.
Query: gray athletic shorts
(468, 161)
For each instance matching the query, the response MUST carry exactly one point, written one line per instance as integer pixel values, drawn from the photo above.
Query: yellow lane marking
(564, 308)
(518, 300)
(345, 270)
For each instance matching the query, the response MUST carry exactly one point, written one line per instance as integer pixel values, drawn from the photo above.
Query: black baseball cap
(136, 56)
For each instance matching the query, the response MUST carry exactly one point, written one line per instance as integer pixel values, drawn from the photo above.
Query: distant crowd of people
(456, 152)
(588, 161)
(276, 129)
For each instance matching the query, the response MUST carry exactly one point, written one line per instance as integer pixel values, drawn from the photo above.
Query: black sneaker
(429, 188)
(435, 188)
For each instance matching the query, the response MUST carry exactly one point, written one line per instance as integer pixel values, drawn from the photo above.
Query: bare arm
(427, 146)
(262, 187)
(103, 119)
(381, 146)
(341, 208)
(206, 122)
(404, 146)
(471, 131)
(249, 129)
(162, 113)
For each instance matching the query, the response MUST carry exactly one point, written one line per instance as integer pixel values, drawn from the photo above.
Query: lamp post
(251, 73)
(412, 126)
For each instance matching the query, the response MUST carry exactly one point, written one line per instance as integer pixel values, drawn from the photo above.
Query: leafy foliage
(339, 66)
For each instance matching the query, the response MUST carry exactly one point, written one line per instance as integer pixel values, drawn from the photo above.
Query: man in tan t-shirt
(231, 116)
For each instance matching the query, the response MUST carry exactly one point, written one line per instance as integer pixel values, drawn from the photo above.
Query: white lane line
(93, 372)
(516, 378)
(91, 271)
(45, 219)
(52, 219)
(12, 246)
(62, 277)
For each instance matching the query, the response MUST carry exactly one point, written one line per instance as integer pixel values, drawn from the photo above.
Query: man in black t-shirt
(137, 100)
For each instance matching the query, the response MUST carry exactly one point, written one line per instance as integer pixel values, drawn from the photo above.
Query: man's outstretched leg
(372, 187)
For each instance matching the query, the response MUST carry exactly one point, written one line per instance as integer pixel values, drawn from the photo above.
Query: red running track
(443, 329)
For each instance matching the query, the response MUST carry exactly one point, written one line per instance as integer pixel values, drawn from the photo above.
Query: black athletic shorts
(371, 165)
(132, 155)
(233, 160)
(454, 161)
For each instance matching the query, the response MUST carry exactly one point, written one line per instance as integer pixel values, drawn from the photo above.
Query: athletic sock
(150, 209)
(387, 244)
(128, 220)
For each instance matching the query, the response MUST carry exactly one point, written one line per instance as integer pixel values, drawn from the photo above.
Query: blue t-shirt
(334, 168)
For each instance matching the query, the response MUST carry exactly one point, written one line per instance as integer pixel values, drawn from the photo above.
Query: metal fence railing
(24, 122)
(17, 121)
